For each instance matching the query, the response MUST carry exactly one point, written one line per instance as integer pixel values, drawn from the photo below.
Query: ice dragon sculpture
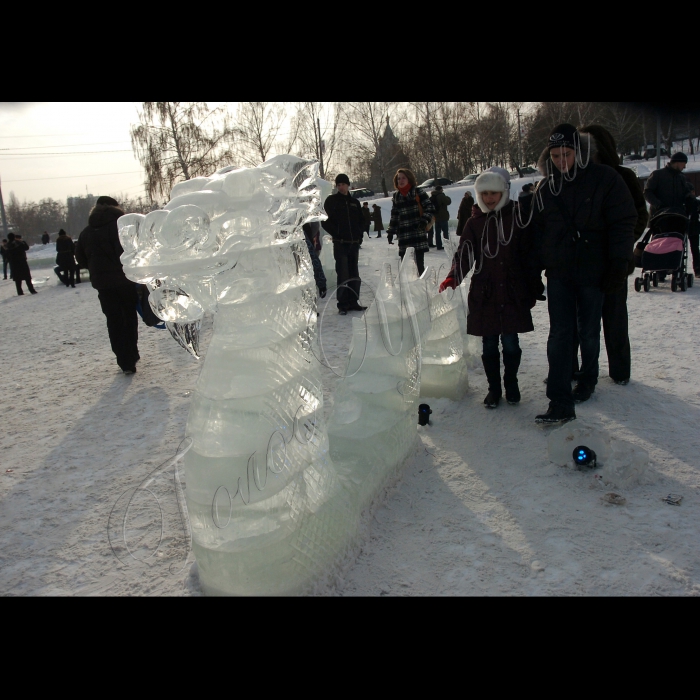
(274, 499)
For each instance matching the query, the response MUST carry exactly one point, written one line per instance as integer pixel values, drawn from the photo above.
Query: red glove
(449, 282)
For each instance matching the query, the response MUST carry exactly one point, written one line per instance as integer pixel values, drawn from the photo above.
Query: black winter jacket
(464, 211)
(98, 248)
(64, 252)
(667, 187)
(16, 253)
(601, 212)
(441, 201)
(345, 222)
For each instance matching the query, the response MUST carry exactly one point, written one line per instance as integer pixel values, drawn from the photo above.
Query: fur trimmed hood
(103, 214)
(491, 181)
(594, 155)
(603, 147)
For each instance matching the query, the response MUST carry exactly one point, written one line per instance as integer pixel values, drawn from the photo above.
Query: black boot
(511, 363)
(492, 367)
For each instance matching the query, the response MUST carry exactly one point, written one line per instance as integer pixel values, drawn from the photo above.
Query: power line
(38, 136)
(66, 177)
(60, 145)
(66, 153)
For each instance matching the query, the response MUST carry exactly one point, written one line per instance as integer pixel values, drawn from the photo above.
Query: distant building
(388, 159)
(78, 211)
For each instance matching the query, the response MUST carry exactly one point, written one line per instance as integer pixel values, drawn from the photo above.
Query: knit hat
(562, 135)
(679, 158)
(342, 179)
(107, 200)
(62, 233)
(493, 180)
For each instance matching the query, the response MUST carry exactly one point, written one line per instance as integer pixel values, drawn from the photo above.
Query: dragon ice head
(200, 249)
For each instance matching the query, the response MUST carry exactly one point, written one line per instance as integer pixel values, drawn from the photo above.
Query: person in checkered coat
(411, 212)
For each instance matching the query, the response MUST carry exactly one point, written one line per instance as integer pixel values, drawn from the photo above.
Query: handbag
(420, 209)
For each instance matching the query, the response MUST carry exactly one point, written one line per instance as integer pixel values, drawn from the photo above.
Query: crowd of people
(578, 226)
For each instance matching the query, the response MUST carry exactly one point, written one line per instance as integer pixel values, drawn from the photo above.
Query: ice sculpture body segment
(268, 512)
(274, 499)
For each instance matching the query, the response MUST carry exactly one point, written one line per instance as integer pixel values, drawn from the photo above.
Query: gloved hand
(615, 277)
(449, 282)
(322, 292)
(537, 289)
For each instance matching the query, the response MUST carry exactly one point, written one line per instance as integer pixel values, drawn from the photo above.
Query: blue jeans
(510, 343)
(572, 306)
(444, 228)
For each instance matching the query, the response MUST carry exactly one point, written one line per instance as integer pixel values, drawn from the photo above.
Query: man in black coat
(98, 249)
(16, 253)
(583, 228)
(615, 319)
(65, 260)
(668, 187)
(345, 223)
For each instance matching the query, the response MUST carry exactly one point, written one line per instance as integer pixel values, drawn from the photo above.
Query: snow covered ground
(479, 509)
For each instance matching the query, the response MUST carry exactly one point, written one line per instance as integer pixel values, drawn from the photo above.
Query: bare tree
(317, 124)
(31, 219)
(257, 126)
(180, 140)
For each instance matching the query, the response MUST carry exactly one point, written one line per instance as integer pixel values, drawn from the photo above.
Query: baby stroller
(664, 251)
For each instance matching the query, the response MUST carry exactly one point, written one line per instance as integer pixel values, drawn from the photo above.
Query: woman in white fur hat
(500, 297)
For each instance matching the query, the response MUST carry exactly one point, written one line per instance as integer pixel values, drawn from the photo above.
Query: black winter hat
(679, 158)
(107, 200)
(562, 135)
(342, 178)
(62, 233)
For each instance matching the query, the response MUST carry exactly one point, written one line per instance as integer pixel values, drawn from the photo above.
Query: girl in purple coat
(500, 296)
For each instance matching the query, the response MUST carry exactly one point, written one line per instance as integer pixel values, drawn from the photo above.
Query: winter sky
(62, 149)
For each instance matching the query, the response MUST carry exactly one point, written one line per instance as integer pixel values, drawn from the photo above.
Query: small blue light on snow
(584, 456)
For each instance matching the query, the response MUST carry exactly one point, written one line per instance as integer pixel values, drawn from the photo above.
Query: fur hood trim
(594, 155)
(103, 214)
(491, 182)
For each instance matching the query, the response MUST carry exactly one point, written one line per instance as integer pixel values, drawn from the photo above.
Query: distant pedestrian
(668, 187)
(411, 215)
(442, 216)
(367, 218)
(65, 260)
(466, 207)
(3, 252)
(98, 249)
(19, 267)
(377, 218)
(45, 238)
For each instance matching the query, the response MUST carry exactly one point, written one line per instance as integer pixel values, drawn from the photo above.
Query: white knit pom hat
(493, 180)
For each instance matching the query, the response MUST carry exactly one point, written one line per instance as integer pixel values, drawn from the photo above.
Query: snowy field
(479, 509)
